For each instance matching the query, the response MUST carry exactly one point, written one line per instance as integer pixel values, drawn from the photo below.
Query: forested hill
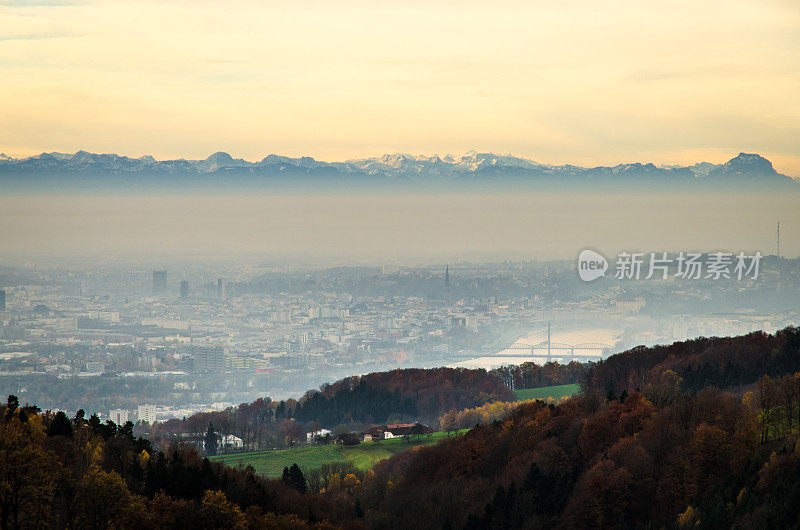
(639, 449)
(725, 362)
(415, 394)
(354, 403)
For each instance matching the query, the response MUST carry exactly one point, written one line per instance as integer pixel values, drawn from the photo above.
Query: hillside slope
(713, 458)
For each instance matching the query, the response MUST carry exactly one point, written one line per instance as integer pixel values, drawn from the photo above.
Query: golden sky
(577, 81)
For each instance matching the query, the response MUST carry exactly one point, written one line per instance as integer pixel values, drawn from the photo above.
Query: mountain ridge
(746, 169)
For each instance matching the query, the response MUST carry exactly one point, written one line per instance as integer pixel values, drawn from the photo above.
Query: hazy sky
(494, 227)
(569, 81)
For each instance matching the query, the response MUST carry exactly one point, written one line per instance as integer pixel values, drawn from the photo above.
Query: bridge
(558, 350)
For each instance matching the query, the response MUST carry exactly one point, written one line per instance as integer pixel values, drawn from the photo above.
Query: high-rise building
(184, 290)
(118, 416)
(220, 289)
(159, 281)
(2, 300)
(208, 358)
(146, 413)
(390, 269)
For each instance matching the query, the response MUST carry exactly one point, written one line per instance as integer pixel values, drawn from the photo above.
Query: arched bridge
(558, 350)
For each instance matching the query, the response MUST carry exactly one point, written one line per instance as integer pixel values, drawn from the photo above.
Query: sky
(359, 227)
(573, 81)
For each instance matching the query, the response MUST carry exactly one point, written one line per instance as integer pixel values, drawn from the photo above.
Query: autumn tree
(710, 457)
(103, 501)
(219, 513)
(28, 472)
(664, 388)
(788, 388)
(766, 394)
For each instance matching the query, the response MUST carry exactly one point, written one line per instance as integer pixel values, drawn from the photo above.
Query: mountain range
(89, 171)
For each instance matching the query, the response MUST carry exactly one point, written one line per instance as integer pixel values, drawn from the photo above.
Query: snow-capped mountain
(470, 169)
(744, 165)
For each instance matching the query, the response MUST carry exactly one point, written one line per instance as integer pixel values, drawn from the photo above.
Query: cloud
(228, 61)
(38, 3)
(38, 36)
(672, 74)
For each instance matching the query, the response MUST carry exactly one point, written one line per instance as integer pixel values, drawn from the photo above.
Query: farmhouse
(396, 429)
(314, 436)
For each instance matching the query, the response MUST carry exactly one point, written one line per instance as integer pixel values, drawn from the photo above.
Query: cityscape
(127, 343)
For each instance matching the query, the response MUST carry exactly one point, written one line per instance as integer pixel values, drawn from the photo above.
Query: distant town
(139, 344)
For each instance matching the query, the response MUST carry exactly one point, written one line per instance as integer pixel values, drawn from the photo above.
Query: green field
(544, 392)
(364, 455)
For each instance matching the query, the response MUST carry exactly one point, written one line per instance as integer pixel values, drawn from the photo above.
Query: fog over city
(291, 291)
(374, 228)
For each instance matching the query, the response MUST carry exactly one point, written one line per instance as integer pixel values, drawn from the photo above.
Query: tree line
(712, 457)
(532, 375)
(407, 394)
(353, 403)
(722, 362)
(79, 472)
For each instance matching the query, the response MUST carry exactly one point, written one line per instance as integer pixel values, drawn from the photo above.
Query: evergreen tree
(211, 441)
(60, 426)
(80, 418)
(296, 478)
(12, 405)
